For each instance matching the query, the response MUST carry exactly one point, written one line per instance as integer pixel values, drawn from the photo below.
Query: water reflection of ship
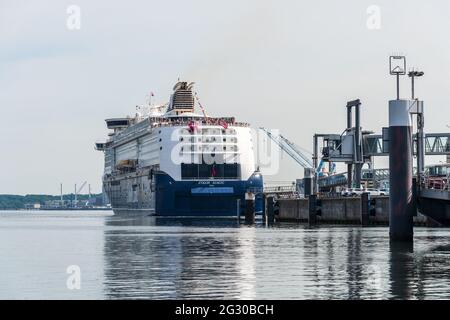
(149, 257)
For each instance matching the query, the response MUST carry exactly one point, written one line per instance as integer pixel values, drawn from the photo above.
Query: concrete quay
(340, 210)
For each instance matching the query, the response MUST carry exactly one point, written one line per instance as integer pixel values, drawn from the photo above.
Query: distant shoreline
(19, 202)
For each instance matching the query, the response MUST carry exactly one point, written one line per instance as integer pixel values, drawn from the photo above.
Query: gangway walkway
(435, 144)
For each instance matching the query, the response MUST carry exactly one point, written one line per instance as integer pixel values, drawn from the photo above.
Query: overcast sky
(290, 65)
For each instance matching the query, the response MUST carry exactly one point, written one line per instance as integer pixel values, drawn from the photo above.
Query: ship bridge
(118, 123)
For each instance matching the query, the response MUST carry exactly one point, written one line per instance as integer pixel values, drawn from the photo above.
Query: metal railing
(436, 183)
(279, 189)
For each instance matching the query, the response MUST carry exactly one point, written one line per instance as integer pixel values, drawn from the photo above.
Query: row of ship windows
(210, 171)
(206, 148)
(211, 131)
(208, 131)
(134, 187)
(211, 139)
(210, 148)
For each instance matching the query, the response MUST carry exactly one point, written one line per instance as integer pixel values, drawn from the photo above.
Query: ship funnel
(182, 100)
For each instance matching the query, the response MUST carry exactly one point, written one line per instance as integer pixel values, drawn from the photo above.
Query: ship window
(204, 171)
(210, 171)
(160, 148)
(189, 171)
(231, 170)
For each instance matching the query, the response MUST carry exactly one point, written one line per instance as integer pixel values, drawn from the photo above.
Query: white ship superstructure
(173, 161)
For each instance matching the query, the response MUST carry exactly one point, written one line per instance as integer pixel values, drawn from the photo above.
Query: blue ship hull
(206, 198)
(157, 193)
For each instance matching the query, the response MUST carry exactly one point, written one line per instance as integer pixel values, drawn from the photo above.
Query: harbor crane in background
(290, 148)
(327, 180)
(296, 153)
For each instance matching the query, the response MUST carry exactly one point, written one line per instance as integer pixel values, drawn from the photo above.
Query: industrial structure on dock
(73, 201)
(423, 189)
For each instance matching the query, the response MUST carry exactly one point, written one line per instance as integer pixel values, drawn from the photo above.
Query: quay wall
(338, 210)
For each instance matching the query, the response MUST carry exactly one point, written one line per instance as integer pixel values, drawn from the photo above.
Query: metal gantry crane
(290, 148)
(303, 160)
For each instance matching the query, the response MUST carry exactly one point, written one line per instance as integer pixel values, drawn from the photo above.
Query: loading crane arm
(290, 148)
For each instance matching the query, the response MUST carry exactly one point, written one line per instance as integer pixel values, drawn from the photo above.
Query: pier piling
(401, 200)
(365, 209)
(249, 207)
(308, 181)
(312, 214)
(270, 210)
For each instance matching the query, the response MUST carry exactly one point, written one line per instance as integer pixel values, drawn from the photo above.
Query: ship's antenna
(200, 104)
(150, 98)
(148, 105)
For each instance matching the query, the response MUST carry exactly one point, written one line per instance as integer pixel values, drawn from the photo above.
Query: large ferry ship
(171, 161)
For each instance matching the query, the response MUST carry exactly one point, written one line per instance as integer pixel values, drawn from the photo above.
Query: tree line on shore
(17, 202)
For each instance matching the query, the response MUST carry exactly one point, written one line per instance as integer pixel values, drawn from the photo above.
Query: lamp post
(412, 75)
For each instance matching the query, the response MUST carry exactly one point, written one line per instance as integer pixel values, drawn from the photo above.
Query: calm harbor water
(157, 258)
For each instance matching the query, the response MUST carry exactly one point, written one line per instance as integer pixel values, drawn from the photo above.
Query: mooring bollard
(312, 214)
(249, 207)
(365, 209)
